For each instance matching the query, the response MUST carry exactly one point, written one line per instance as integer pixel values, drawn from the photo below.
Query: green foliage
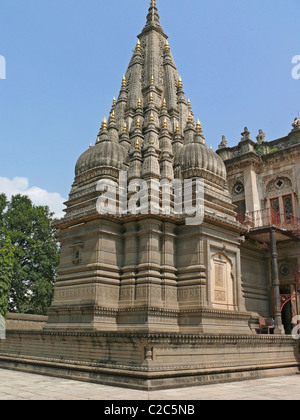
(6, 274)
(275, 149)
(35, 253)
(259, 149)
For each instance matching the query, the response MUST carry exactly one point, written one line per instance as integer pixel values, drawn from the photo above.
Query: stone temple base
(149, 361)
(147, 320)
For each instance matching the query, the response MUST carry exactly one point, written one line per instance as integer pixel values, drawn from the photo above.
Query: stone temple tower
(149, 270)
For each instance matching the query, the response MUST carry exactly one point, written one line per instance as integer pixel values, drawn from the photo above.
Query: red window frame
(288, 216)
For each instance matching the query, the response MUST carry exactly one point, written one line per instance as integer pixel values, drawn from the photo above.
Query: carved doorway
(222, 282)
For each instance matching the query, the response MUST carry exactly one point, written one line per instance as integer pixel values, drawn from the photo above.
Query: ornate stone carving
(261, 137)
(224, 143)
(222, 281)
(245, 134)
(278, 186)
(296, 124)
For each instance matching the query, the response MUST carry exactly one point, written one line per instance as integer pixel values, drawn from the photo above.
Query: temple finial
(104, 124)
(112, 116)
(191, 118)
(152, 17)
(198, 125)
(167, 46)
(138, 45)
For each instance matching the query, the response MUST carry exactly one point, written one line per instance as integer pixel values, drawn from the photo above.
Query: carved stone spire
(166, 156)
(199, 136)
(189, 131)
(151, 167)
(124, 138)
(151, 109)
(136, 163)
(152, 18)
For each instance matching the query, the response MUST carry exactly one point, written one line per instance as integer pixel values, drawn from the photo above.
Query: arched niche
(222, 282)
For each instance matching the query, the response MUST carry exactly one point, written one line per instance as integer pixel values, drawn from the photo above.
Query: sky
(64, 62)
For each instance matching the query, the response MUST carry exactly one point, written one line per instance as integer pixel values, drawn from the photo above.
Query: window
(285, 270)
(275, 211)
(282, 210)
(288, 208)
(241, 210)
(239, 188)
(279, 183)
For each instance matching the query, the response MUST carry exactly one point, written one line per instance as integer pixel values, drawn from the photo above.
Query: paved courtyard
(25, 386)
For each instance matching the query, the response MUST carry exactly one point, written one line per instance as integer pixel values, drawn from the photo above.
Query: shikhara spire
(151, 81)
(151, 131)
(153, 16)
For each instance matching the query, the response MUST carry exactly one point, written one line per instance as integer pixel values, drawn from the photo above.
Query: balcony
(269, 218)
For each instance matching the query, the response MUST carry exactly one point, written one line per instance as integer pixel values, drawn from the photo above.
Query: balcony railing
(269, 217)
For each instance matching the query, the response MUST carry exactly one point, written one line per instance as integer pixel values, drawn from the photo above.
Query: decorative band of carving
(166, 338)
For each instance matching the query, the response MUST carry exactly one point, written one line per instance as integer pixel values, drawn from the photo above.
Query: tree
(36, 253)
(6, 274)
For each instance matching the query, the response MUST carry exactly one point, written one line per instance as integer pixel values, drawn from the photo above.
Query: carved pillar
(191, 269)
(240, 301)
(276, 285)
(128, 276)
(148, 285)
(251, 190)
(168, 270)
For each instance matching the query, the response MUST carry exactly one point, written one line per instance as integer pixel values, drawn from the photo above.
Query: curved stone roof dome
(106, 154)
(198, 157)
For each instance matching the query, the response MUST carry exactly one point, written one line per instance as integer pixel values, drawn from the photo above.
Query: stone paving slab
(16, 385)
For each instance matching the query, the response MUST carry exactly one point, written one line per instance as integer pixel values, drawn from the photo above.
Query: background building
(264, 180)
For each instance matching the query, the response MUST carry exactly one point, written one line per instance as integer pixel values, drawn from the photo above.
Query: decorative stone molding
(279, 185)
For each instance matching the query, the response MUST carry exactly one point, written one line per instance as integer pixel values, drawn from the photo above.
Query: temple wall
(150, 361)
(24, 322)
(256, 281)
